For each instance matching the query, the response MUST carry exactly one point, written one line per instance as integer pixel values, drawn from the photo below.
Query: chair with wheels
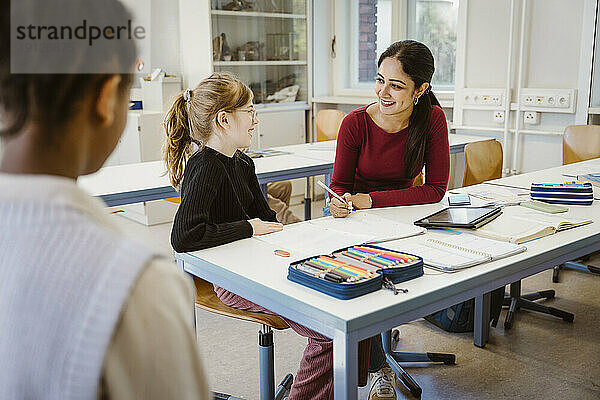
(483, 161)
(394, 358)
(207, 299)
(580, 143)
(391, 337)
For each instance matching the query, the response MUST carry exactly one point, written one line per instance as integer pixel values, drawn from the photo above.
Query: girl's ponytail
(178, 146)
(191, 118)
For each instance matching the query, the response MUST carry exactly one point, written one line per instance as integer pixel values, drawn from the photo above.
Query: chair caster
(566, 316)
(447, 359)
(284, 387)
(395, 336)
(555, 274)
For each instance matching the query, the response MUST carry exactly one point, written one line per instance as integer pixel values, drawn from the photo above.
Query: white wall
(165, 49)
(557, 54)
(195, 40)
(554, 35)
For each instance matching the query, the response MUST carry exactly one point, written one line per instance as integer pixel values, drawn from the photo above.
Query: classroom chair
(207, 299)
(580, 143)
(328, 124)
(419, 180)
(483, 161)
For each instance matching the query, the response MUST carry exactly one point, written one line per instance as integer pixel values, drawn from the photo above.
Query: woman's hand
(361, 200)
(338, 208)
(260, 227)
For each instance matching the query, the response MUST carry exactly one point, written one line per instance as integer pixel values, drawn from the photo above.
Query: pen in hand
(337, 196)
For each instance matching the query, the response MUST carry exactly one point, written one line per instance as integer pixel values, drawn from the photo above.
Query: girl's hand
(260, 227)
(338, 209)
(361, 200)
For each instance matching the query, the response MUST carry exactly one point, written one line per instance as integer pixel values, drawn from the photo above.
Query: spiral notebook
(462, 251)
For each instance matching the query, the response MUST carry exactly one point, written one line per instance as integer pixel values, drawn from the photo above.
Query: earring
(417, 100)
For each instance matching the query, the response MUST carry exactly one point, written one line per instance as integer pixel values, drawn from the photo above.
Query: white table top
(251, 269)
(151, 175)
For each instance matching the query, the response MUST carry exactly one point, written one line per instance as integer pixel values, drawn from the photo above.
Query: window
(433, 22)
(375, 24)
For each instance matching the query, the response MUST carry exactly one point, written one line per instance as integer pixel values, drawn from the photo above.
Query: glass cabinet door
(264, 43)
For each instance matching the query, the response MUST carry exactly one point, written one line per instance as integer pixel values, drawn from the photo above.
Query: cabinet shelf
(246, 63)
(255, 14)
(291, 106)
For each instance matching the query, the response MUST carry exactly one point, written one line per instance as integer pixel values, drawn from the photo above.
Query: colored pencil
(388, 252)
(330, 270)
(362, 259)
(339, 263)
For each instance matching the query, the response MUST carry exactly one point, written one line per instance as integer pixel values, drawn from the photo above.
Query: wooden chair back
(207, 299)
(483, 162)
(418, 180)
(580, 143)
(328, 124)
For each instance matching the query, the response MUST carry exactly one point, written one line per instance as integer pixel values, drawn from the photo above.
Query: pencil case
(356, 270)
(563, 193)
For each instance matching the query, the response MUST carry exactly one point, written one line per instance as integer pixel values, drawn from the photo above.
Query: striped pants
(314, 379)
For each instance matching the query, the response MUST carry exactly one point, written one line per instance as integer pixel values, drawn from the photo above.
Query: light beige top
(153, 353)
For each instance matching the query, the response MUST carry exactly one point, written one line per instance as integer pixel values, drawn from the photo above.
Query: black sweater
(219, 194)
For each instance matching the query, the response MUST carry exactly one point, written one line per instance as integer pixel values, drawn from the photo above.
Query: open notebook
(520, 224)
(325, 235)
(460, 251)
(377, 229)
(305, 239)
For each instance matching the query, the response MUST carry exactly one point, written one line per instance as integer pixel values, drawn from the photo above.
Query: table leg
(345, 367)
(481, 326)
(307, 200)
(328, 178)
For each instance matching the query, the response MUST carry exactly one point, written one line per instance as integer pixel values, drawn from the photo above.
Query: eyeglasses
(251, 111)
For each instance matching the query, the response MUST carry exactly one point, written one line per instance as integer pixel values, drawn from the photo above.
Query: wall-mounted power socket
(548, 100)
(531, 117)
(499, 116)
(482, 98)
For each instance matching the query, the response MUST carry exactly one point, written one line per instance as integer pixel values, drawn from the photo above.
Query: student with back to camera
(221, 200)
(86, 311)
(383, 146)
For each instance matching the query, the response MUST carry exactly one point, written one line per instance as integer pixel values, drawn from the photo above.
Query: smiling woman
(382, 147)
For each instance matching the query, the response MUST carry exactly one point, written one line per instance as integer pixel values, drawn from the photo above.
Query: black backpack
(460, 317)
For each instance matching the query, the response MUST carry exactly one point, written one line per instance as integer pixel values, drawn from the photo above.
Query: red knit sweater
(371, 160)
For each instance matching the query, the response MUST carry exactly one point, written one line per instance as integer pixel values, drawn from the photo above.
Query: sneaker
(383, 385)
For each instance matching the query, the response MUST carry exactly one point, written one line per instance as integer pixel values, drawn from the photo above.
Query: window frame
(346, 36)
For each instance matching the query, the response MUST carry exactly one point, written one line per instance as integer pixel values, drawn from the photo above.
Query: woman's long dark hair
(417, 62)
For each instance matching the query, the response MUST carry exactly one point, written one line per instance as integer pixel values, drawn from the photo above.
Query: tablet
(460, 217)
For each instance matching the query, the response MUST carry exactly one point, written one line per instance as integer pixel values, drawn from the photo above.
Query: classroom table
(135, 183)
(146, 181)
(249, 268)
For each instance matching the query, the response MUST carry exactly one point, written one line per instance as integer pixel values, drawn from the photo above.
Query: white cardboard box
(159, 94)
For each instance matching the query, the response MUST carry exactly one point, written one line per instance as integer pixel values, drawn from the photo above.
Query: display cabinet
(265, 43)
